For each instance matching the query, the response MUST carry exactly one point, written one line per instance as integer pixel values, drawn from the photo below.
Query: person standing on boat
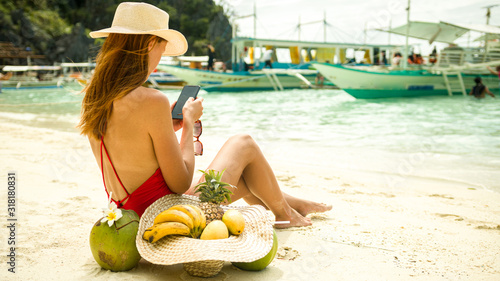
(383, 60)
(211, 55)
(480, 89)
(396, 59)
(411, 59)
(433, 56)
(418, 59)
(268, 54)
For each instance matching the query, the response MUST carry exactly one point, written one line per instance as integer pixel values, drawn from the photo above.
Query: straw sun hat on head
(143, 18)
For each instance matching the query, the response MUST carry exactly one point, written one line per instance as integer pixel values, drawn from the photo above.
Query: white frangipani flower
(111, 213)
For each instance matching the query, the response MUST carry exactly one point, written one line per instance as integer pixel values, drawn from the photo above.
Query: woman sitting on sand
(132, 133)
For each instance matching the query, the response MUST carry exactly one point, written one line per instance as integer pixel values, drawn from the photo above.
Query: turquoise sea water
(456, 139)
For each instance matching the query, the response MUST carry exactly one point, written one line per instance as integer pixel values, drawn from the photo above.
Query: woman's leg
(304, 207)
(247, 168)
(296, 219)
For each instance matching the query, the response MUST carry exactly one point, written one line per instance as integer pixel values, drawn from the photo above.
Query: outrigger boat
(46, 76)
(385, 83)
(77, 72)
(162, 80)
(291, 65)
(453, 73)
(28, 77)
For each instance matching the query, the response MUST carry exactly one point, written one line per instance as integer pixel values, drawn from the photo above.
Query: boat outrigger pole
(254, 15)
(488, 15)
(254, 20)
(405, 52)
(324, 22)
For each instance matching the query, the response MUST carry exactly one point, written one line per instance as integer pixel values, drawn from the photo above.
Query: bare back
(128, 143)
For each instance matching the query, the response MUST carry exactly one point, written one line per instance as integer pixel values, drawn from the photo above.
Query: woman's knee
(244, 140)
(245, 143)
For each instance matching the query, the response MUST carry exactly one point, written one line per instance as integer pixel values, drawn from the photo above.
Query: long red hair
(121, 66)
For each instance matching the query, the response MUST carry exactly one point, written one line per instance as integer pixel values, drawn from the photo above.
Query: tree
(59, 29)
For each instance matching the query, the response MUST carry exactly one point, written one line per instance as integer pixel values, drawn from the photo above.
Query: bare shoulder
(148, 100)
(149, 96)
(153, 105)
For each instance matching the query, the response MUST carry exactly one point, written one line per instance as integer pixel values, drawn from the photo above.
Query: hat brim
(252, 244)
(176, 45)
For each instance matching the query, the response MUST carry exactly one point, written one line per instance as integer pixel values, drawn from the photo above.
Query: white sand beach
(429, 230)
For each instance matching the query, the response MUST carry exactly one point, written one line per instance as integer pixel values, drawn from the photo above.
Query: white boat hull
(244, 81)
(364, 84)
(19, 85)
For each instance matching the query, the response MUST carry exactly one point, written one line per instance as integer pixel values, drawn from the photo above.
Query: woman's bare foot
(309, 207)
(295, 219)
(305, 207)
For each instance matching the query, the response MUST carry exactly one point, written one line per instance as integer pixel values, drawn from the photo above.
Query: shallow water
(450, 138)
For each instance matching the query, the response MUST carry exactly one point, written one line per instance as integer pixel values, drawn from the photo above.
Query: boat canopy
(77, 64)
(192, 58)
(298, 54)
(442, 31)
(22, 68)
(484, 28)
(252, 42)
(490, 37)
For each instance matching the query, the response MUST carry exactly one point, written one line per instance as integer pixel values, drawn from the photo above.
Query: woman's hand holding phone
(193, 109)
(189, 91)
(187, 107)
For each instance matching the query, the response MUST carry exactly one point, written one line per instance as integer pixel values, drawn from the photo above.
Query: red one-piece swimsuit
(151, 190)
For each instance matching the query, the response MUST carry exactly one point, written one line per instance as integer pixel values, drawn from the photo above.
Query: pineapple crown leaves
(213, 189)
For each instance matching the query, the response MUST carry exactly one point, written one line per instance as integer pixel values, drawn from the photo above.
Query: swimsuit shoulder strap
(114, 170)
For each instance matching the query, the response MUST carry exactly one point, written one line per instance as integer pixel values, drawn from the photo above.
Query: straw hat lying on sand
(252, 244)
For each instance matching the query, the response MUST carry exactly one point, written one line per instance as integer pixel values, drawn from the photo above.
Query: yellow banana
(158, 231)
(175, 216)
(203, 222)
(147, 233)
(190, 211)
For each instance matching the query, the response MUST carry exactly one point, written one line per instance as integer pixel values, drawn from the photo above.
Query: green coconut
(261, 263)
(114, 247)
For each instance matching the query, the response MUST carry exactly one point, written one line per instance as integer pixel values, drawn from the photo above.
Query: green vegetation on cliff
(59, 29)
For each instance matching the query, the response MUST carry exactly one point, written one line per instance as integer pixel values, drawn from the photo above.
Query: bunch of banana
(177, 220)
(158, 231)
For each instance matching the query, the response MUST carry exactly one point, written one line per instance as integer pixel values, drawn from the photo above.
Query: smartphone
(187, 92)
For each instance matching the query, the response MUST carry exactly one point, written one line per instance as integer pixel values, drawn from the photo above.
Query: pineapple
(212, 194)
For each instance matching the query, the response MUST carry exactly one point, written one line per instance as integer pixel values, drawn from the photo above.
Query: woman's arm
(176, 159)
(491, 70)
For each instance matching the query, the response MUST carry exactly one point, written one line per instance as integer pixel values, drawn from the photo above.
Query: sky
(348, 19)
